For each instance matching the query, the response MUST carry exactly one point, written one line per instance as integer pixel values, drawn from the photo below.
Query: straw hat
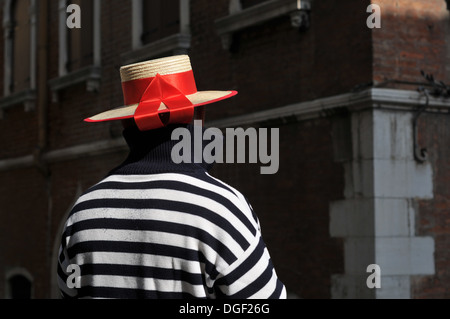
(159, 86)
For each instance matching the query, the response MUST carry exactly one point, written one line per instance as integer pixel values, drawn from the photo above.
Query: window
(249, 3)
(159, 28)
(19, 284)
(81, 41)
(79, 48)
(19, 287)
(248, 13)
(161, 18)
(19, 68)
(20, 34)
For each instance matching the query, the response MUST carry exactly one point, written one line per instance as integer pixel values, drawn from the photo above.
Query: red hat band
(149, 93)
(164, 85)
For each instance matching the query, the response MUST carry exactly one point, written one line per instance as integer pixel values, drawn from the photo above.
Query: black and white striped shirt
(155, 229)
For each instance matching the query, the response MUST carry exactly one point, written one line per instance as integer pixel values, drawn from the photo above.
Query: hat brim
(126, 112)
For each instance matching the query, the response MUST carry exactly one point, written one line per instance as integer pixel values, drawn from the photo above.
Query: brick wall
(23, 230)
(2, 39)
(413, 37)
(293, 206)
(434, 217)
(273, 64)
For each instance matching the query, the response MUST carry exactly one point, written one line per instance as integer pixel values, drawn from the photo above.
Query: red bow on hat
(148, 85)
(159, 91)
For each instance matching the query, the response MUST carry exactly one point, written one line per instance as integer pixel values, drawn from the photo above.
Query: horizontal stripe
(142, 248)
(163, 189)
(171, 191)
(216, 225)
(127, 293)
(210, 210)
(136, 238)
(141, 272)
(206, 182)
(136, 248)
(133, 259)
(150, 284)
(141, 229)
(234, 229)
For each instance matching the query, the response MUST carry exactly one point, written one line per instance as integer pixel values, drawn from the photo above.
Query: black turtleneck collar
(150, 152)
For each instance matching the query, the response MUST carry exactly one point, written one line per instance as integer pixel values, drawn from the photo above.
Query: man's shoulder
(199, 180)
(200, 189)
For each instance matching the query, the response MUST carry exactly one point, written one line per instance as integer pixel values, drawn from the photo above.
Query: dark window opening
(250, 3)
(19, 287)
(161, 18)
(80, 40)
(20, 34)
